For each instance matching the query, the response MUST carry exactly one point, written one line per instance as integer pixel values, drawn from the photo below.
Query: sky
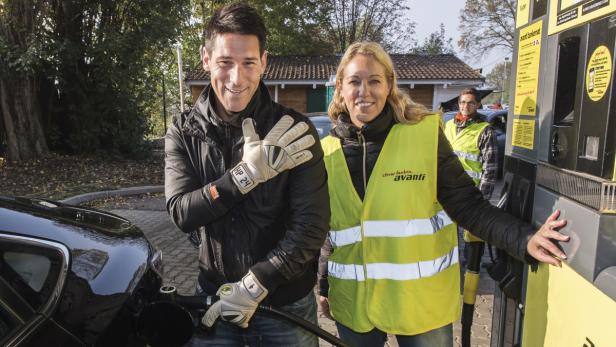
(429, 14)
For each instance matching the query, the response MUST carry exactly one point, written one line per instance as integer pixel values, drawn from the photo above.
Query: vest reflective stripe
(473, 174)
(345, 237)
(405, 272)
(467, 156)
(345, 271)
(396, 272)
(400, 273)
(464, 144)
(390, 228)
(414, 227)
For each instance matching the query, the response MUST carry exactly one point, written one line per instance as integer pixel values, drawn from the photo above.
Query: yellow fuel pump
(560, 154)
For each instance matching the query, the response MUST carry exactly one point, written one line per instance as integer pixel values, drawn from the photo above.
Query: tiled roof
(408, 67)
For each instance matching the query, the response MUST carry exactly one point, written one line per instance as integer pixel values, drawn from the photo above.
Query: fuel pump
(560, 153)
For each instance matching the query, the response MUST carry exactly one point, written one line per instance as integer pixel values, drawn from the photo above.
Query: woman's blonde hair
(405, 110)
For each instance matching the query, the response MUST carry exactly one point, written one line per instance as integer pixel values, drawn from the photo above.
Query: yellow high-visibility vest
(464, 145)
(395, 260)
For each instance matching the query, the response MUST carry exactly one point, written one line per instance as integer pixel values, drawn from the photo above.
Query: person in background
(390, 263)
(474, 142)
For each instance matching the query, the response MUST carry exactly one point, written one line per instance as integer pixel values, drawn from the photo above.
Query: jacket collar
(202, 119)
(373, 131)
(462, 122)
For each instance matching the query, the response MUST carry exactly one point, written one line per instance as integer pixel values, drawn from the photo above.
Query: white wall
(443, 94)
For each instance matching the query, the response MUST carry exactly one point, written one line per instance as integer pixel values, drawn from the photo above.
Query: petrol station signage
(566, 14)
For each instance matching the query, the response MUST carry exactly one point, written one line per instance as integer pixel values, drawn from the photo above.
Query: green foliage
(21, 51)
(293, 27)
(435, 43)
(103, 60)
(499, 80)
(98, 66)
(105, 71)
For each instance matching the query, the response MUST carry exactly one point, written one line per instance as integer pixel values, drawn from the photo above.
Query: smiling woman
(364, 89)
(390, 264)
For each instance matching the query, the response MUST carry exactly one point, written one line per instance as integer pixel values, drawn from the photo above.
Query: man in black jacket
(247, 173)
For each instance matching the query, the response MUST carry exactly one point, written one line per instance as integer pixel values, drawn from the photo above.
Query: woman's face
(364, 89)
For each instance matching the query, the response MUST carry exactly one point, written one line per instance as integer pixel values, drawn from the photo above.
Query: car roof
(100, 243)
(52, 220)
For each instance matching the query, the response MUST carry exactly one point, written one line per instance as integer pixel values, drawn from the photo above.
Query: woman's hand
(541, 247)
(324, 305)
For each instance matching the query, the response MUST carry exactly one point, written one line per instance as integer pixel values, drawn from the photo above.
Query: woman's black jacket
(456, 191)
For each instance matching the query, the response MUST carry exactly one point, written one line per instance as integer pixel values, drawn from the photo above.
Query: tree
(435, 43)
(294, 26)
(374, 20)
(486, 25)
(108, 52)
(499, 79)
(20, 78)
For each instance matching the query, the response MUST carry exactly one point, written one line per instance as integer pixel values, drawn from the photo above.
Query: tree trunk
(21, 117)
(19, 94)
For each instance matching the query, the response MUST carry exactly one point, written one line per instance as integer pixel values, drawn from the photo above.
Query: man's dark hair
(235, 18)
(473, 92)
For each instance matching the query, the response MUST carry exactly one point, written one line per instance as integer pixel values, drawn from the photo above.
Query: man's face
(235, 67)
(468, 104)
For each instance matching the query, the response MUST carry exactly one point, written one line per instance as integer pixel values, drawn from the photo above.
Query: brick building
(300, 82)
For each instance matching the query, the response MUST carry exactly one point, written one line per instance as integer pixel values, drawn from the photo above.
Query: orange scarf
(462, 118)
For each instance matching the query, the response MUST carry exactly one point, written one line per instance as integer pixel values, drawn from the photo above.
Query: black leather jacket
(275, 230)
(456, 191)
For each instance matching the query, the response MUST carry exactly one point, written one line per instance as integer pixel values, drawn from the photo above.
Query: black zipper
(362, 141)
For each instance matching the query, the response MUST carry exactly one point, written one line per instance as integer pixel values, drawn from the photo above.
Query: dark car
(498, 120)
(71, 275)
(322, 122)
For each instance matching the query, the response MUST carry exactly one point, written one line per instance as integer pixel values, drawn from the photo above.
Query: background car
(322, 122)
(71, 276)
(498, 120)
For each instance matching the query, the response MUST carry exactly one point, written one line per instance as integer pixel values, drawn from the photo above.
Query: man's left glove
(238, 302)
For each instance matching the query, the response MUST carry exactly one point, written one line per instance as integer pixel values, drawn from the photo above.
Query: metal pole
(164, 104)
(504, 81)
(180, 78)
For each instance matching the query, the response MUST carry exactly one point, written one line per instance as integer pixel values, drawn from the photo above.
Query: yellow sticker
(598, 73)
(523, 133)
(522, 13)
(527, 75)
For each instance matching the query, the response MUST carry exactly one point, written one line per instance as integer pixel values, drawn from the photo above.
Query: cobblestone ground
(180, 262)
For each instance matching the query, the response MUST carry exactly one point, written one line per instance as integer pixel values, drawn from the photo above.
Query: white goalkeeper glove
(238, 302)
(263, 159)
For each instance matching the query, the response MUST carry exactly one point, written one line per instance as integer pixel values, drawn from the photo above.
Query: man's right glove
(238, 302)
(263, 160)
